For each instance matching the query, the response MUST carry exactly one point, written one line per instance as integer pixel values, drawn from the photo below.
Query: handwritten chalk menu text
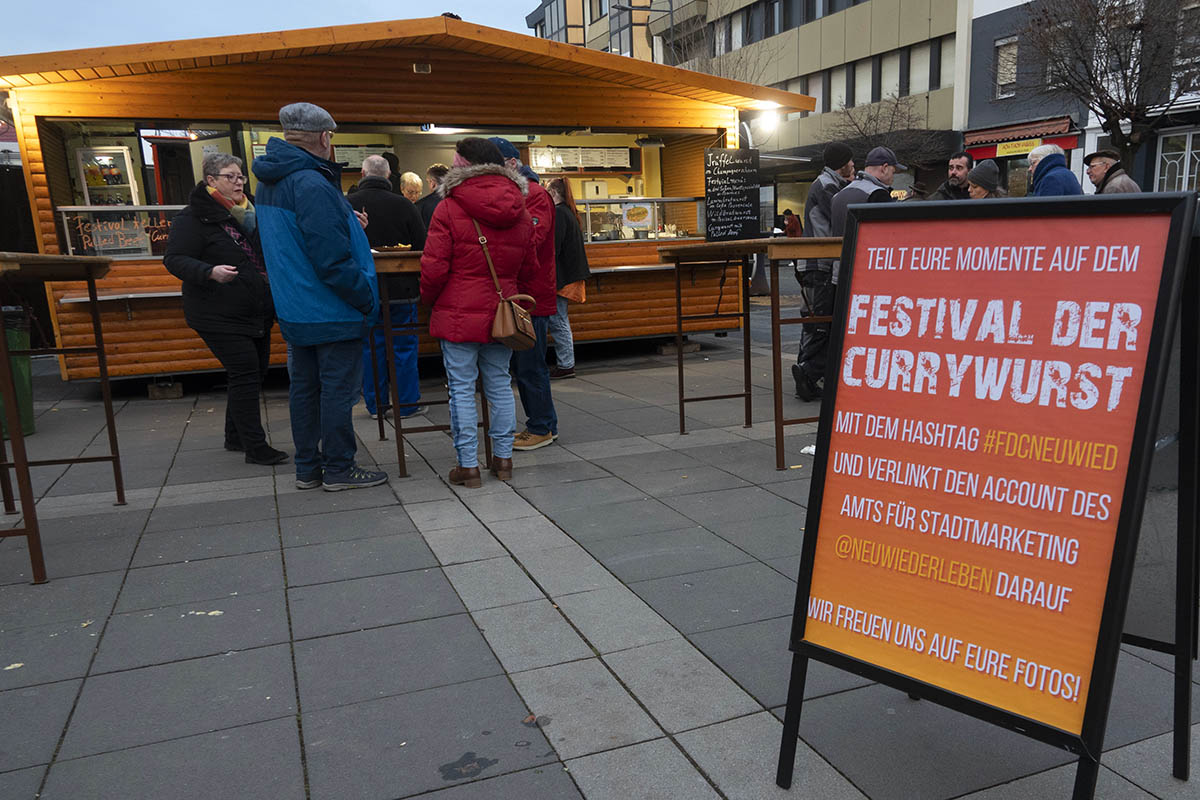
(730, 194)
(988, 387)
(118, 233)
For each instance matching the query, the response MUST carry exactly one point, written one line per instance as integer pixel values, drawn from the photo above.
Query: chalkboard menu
(730, 194)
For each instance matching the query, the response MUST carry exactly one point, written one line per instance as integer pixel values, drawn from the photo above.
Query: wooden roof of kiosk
(470, 75)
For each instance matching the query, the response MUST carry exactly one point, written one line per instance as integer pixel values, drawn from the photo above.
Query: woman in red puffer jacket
(458, 285)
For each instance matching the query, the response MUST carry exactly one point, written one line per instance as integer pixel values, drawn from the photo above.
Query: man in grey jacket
(815, 274)
(1105, 172)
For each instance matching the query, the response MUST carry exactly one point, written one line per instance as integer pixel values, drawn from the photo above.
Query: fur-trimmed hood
(490, 193)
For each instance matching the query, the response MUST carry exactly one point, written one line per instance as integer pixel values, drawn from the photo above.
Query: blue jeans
(325, 381)
(405, 356)
(533, 383)
(464, 362)
(564, 342)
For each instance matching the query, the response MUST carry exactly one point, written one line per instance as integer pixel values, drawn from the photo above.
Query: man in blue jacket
(1048, 173)
(322, 279)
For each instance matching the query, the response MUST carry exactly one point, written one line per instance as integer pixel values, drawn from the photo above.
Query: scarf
(243, 212)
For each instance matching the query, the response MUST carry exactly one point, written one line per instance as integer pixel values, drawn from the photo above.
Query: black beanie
(837, 155)
(985, 174)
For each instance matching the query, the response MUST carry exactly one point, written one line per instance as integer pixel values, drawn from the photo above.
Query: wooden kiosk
(425, 75)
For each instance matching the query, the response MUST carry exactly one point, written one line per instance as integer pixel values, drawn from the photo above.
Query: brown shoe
(558, 373)
(466, 476)
(532, 441)
(501, 468)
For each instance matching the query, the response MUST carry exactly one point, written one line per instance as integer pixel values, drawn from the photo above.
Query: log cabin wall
(683, 176)
(370, 84)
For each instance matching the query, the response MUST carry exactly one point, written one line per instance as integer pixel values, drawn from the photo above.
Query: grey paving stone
(257, 760)
(719, 598)
(496, 582)
(795, 490)
(217, 692)
(566, 570)
(31, 720)
(77, 528)
(47, 653)
(218, 489)
(588, 710)
(340, 527)
(357, 558)
(757, 657)
(105, 552)
(371, 602)
(732, 505)
(581, 494)
(388, 748)
(580, 431)
(1142, 702)
(203, 628)
(177, 517)
(1060, 782)
(619, 519)
(1149, 764)
(196, 466)
(77, 600)
(655, 555)
(530, 635)
(612, 447)
(421, 490)
(366, 665)
(644, 771)
(210, 579)
(688, 480)
(550, 781)
(918, 749)
(471, 542)
(615, 619)
(170, 547)
(652, 420)
(21, 783)
(440, 514)
(498, 506)
(740, 757)
(298, 504)
(679, 686)
(642, 463)
(530, 534)
(763, 537)
(525, 477)
(543, 457)
(788, 566)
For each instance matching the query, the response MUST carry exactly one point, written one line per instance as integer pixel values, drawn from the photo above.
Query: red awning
(1011, 133)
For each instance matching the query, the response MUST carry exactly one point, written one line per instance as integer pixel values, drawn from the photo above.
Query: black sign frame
(750, 223)
(1088, 744)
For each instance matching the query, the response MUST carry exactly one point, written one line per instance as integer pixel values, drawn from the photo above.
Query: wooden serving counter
(631, 294)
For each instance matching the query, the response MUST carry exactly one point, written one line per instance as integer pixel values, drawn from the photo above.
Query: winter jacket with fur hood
(455, 280)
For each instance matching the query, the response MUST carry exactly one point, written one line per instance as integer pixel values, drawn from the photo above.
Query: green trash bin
(16, 331)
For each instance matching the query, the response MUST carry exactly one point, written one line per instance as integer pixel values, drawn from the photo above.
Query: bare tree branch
(894, 122)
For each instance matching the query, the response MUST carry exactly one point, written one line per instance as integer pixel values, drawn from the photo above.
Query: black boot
(266, 455)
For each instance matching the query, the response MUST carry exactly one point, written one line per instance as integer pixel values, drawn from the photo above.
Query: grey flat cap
(305, 117)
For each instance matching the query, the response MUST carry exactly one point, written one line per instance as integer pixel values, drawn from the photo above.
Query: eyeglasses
(231, 178)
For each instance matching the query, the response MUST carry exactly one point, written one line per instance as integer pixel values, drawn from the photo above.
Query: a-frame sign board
(995, 375)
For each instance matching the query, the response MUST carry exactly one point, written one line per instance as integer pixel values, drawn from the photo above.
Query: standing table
(786, 249)
(714, 255)
(400, 262)
(37, 268)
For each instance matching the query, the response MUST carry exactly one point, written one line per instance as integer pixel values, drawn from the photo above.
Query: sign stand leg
(1085, 778)
(791, 722)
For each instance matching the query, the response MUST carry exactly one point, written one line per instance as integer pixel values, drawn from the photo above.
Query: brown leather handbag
(512, 326)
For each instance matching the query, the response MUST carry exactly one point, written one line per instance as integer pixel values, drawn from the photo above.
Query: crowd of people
(300, 255)
(838, 186)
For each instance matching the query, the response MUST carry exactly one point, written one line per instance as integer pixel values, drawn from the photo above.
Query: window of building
(1178, 162)
(736, 30)
(904, 67)
(837, 79)
(756, 18)
(947, 77)
(918, 68)
(851, 78)
(774, 17)
(826, 91)
(801, 86)
(556, 21)
(889, 75)
(935, 65)
(597, 10)
(1006, 67)
(719, 32)
(863, 85)
(620, 33)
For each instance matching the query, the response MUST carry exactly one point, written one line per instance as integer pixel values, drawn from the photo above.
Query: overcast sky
(30, 27)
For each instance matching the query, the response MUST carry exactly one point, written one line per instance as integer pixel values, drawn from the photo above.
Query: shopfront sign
(731, 189)
(1018, 148)
(981, 463)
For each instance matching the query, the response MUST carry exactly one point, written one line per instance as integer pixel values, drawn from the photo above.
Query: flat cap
(305, 117)
(1106, 153)
(883, 155)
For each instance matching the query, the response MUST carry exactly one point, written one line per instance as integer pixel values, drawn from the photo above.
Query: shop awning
(435, 33)
(1026, 130)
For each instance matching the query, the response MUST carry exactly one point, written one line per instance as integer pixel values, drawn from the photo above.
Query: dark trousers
(326, 379)
(245, 359)
(819, 292)
(405, 356)
(533, 383)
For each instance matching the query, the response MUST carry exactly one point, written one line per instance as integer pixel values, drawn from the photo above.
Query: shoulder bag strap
(488, 256)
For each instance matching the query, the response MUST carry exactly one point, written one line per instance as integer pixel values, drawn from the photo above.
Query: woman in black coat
(214, 249)
(571, 267)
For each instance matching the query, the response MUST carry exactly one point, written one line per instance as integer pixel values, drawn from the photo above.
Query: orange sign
(987, 395)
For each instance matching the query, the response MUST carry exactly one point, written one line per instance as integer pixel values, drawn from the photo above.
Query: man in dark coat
(1105, 172)
(529, 366)
(391, 219)
(815, 274)
(1048, 173)
(955, 185)
(433, 177)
